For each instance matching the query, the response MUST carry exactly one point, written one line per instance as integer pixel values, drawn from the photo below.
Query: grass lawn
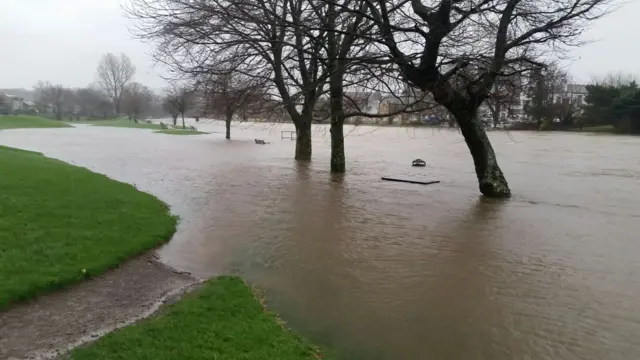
(122, 123)
(60, 224)
(599, 129)
(181, 132)
(28, 121)
(222, 321)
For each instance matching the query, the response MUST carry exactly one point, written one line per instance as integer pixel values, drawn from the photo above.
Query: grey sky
(62, 41)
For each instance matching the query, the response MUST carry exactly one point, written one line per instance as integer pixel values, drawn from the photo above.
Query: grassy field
(181, 132)
(60, 224)
(599, 129)
(28, 121)
(124, 122)
(222, 321)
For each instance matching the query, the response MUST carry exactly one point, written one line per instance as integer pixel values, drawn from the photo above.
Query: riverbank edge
(84, 306)
(263, 334)
(24, 335)
(86, 312)
(148, 243)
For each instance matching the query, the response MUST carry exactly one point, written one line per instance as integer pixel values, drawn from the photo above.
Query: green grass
(181, 132)
(599, 129)
(60, 224)
(125, 123)
(221, 321)
(28, 121)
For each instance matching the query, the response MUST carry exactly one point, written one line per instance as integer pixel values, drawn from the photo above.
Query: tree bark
(183, 126)
(491, 180)
(303, 140)
(175, 120)
(338, 161)
(336, 72)
(228, 125)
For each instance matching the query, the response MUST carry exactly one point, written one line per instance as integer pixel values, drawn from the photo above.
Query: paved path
(50, 325)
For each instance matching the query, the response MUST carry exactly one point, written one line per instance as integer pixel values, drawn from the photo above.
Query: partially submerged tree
(178, 99)
(171, 105)
(228, 93)
(113, 75)
(456, 50)
(195, 37)
(136, 100)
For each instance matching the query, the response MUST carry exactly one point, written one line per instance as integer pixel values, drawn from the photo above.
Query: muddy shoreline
(51, 325)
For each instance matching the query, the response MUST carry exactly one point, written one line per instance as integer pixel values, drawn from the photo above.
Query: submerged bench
(412, 181)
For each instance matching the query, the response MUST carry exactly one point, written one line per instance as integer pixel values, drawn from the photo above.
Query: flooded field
(380, 270)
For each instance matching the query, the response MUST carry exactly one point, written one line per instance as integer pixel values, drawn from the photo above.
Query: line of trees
(616, 104)
(113, 94)
(302, 51)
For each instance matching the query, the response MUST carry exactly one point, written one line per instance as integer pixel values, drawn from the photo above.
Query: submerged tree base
(303, 143)
(495, 186)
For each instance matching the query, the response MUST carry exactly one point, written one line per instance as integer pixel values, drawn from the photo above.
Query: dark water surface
(395, 271)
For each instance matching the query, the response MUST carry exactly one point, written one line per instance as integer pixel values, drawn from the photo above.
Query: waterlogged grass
(600, 129)
(60, 224)
(27, 121)
(181, 132)
(123, 123)
(223, 321)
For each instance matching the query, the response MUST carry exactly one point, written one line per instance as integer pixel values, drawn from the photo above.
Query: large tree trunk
(336, 71)
(338, 161)
(227, 122)
(491, 180)
(183, 126)
(303, 139)
(175, 119)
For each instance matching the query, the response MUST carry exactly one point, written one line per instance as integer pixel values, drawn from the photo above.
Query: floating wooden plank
(411, 181)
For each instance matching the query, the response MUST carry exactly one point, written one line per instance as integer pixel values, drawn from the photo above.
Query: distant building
(577, 94)
(11, 104)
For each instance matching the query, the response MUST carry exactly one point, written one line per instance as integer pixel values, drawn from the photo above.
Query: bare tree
(113, 75)
(136, 99)
(457, 49)
(259, 39)
(93, 102)
(505, 96)
(69, 103)
(50, 96)
(230, 93)
(615, 79)
(178, 99)
(171, 104)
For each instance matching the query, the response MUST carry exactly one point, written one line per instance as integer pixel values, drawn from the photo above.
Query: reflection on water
(396, 271)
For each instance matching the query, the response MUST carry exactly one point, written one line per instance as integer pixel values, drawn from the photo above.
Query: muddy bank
(52, 324)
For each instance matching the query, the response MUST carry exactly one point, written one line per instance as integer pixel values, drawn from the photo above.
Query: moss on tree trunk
(491, 180)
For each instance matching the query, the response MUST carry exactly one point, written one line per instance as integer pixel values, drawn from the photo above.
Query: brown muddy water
(380, 270)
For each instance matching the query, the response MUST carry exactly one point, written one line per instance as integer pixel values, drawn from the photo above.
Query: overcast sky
(62, 40)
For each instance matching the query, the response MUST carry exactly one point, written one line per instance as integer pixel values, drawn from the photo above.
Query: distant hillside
(28, 95)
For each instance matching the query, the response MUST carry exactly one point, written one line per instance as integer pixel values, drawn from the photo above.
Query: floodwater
(381, 270)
